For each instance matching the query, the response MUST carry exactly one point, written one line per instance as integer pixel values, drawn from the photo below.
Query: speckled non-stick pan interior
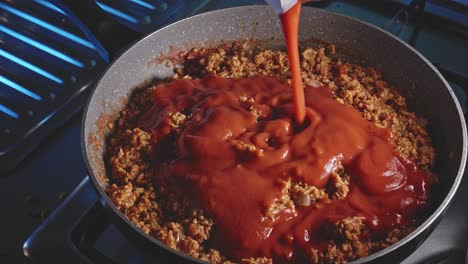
(430, 95)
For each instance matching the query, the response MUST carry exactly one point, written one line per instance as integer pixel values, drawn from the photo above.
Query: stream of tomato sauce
(236, 187)
(290, 24)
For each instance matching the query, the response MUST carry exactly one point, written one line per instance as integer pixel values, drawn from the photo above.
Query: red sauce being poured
(290, 25)
(236, 186)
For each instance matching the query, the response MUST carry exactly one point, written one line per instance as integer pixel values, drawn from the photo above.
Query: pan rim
(438, 212)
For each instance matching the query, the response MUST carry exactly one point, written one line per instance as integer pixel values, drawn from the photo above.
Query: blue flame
(47, 26)
(144, 4)
(8, 111)
(50, 6)
(116, 12)
(41, 46)
(19, 88)
(30, 66)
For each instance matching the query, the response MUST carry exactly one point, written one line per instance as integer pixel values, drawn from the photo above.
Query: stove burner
(46, 65)
(146, 15)
(79, 231)
(49, 59)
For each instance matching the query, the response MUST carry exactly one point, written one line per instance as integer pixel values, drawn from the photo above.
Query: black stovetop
(55, 168)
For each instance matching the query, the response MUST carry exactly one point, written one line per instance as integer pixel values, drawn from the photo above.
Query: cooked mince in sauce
(234, 164)
(215, 164)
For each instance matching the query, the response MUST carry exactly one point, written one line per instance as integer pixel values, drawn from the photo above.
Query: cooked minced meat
(169, 216)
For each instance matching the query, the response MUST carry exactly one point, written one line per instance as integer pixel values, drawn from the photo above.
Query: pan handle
(59, 240)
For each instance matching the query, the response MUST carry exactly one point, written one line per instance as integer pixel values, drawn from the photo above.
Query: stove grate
(145, 15)
(46, 62)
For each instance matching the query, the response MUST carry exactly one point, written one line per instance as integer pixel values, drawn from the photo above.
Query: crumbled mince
(313, 255)
(350, 228)
(177, 119)
(249, 147)
(284, 203)
(338, 186)
(245, 99)
(331, 49)
(169, 217)
(255, 112)
(257, 261)
(305, 195)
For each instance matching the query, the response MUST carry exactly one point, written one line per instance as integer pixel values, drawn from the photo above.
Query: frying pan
(428, 93)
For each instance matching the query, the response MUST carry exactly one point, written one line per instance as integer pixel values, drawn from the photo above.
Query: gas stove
(52, 51)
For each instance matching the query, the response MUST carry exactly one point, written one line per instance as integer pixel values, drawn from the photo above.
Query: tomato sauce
(290, 25)
(236, 187)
